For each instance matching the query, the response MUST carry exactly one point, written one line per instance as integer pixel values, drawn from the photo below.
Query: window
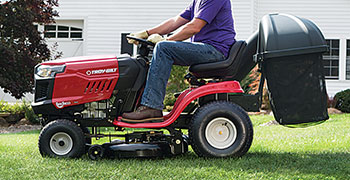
(58, 31)
(348, 59)
(331, 60)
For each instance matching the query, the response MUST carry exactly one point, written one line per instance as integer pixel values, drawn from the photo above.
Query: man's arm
(168, 26)
(188, 30)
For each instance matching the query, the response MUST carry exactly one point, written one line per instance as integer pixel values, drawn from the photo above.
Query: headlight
(49, 71)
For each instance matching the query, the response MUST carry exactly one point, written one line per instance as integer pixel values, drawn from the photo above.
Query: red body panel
(184, 99)
(85, 79)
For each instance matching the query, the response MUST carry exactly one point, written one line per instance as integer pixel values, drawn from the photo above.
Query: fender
(184, 99)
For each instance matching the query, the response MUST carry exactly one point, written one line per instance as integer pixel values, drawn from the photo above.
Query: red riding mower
(74, 94)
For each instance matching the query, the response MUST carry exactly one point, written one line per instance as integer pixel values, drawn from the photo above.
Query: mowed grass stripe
(277, 152)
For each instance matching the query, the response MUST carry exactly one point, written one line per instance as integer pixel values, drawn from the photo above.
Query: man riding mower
(103, 91)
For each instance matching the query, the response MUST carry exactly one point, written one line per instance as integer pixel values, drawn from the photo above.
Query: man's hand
(155, 38)
(140, 35)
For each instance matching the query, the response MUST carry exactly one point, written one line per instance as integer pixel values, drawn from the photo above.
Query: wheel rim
(221, 133)
(95, 152)
(61, 143)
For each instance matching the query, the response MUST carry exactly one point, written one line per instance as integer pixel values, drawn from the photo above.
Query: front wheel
(62, 138)
(221, 129)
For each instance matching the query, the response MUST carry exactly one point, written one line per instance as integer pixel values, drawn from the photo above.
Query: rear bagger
(290, 50)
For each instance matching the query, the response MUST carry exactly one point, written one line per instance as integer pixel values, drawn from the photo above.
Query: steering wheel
(141, 41)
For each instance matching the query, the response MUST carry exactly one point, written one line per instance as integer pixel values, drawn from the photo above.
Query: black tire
(88, 140)
(96, 152)
(236, 132)
(62, 138)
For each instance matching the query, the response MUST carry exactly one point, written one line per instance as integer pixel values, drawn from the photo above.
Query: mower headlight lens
(49, 71)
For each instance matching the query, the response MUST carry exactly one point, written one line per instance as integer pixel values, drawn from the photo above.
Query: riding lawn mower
(76, 97)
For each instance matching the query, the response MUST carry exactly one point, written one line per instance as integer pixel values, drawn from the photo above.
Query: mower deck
(146, 144)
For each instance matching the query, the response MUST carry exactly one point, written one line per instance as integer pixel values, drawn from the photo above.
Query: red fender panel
(184, 99)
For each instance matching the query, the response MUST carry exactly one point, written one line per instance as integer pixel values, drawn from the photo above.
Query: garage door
(66, 36)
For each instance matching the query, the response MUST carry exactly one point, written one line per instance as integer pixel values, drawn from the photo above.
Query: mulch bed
(19, 128)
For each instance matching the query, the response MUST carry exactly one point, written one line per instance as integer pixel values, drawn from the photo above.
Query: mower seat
(238, 64)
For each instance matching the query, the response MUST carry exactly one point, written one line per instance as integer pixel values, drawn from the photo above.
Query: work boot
(143, 114)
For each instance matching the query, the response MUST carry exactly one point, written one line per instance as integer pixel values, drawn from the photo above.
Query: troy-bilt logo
(62, 104)
(3, 2)
(101, 71)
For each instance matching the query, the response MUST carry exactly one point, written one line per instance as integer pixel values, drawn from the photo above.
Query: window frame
(71, 30)
(347, 59)
(330, 57)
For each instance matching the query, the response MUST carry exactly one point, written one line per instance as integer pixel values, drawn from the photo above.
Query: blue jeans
(167, 53)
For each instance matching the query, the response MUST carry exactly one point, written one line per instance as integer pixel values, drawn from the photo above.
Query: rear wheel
(221, 129)
(62, 138)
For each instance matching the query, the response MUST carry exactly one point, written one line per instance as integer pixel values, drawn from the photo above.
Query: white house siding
(334, 86)
(8, 98)
(245, 20)
(105, 20)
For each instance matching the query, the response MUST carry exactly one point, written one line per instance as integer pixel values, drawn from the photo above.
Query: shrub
(250, 84)
(176, 83)
(11, 108)
(3, 106)
(343, 101)
(331, 102)
(29, 113)
(169, 101)
(18, 111)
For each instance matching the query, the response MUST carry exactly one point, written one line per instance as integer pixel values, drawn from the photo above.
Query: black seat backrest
(245, 62)
(239, 63)
(218, 69)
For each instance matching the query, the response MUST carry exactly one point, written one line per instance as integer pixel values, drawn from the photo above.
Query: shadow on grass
(327, 164)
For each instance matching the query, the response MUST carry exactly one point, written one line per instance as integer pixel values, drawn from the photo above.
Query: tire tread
(206, 109)
(59, 122)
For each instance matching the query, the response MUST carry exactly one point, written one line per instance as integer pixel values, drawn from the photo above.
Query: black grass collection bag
(290, 51)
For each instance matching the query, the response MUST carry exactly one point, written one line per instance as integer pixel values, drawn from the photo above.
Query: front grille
(98, 86)
(41, 91)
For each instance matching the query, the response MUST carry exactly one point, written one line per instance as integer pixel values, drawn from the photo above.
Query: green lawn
(319, 152)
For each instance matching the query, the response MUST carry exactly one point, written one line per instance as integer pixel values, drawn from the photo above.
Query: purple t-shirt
(219, 32)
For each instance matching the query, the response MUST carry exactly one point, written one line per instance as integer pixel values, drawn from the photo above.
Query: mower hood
(79, 59)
